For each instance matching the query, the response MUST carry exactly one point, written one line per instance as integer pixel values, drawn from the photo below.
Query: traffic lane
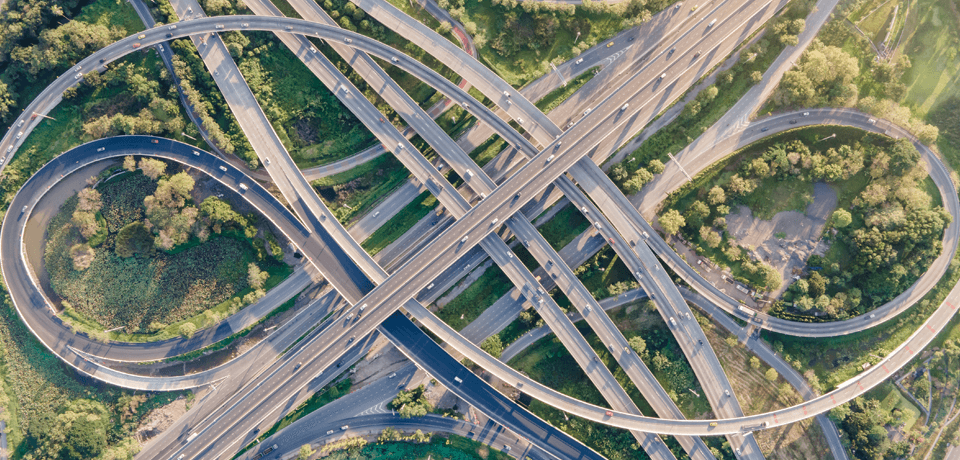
(427, 354)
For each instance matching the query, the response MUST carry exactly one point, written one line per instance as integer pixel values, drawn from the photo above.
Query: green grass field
(565, 225)
(352, 193)
(932, 42)
(400, 223)
(524, 66)
(467, 306)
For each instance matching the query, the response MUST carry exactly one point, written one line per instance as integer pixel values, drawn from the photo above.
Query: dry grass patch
(797, 441)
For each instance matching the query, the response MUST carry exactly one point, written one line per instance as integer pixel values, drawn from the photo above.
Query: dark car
(340, 364)
(169, 35)
(793, 122)
(763, 130)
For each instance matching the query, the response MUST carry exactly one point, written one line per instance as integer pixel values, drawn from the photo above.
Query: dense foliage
(134, 275)
(412, 403)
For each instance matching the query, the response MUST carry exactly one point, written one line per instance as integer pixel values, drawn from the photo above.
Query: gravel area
(800, 234)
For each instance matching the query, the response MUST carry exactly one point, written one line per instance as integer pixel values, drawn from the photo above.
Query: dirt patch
(790, 238)
(163, 417)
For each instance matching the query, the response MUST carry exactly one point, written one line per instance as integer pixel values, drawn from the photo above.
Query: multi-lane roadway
(502, 203)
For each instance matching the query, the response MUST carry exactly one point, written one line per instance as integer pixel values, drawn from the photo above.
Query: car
(596, 358)
(550, 158)
(471, 433)
(392, 375)
(344, 428)
(172, 27)
(196, 153)
(351, 340)
(806, 114)
(712, 23)
(624, 107)
(136, 45)
(289, 27)
(609, 44)
(347, 39)
(169, 35)
(678, 6)
(458, 380)
(256, 430)
(142, 36)
(584, 210)
(631, 39)
(243, 186)
(245, 25)
(78, 76)
(763, 130)
(330, 431)
(872, 121)
(587, 112)
(515, 197)
(597, 224)
(662, 76)
(578, 61)
(463, 240)
(673, 322)
(20, 134)
(520, 120)
(155, 141)
(340, 364)
(381, 119)
(102, 61)
(349, 316)
(713, 423)
(671, 51)
(24, 209)
(219, 26)
(793, 122)
(101, 149)
(297, 367)
(726, 392)
(9, 149)
(223, 168)
(394, 59)
(608, 413)
(696, 55)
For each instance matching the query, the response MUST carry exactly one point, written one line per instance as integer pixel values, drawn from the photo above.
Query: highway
(550, 172)
(481, 184)
(691, 338)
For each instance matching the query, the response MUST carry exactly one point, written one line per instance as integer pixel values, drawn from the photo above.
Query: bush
(187, 329)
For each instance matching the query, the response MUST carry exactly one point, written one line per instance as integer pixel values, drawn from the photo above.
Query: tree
(637, 344)
(671, 221)
(655, 166)
(635, 183)
(716, 195)
(492, 345)
(755, 362)
(785, 392)
(817, 285)
(88, 200)
(922, 388)
(771, 277)
(305, 452)
(152, 168)
(841, 218)
(78, 430)
(82, 255)
(133, 238)
(129, 163)
(444, 28)
(710, 237)
(86, 222)
(187, 329)
(771, 375)
(255, 276)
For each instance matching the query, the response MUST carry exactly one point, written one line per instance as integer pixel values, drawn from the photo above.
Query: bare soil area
(790, 238)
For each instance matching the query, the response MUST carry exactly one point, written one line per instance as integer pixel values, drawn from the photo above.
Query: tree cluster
(412, 403)
(863, 421)
(76, 431)
(892, 229)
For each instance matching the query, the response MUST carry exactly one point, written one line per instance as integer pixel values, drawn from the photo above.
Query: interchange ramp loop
(37, 311)
(919, 339)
